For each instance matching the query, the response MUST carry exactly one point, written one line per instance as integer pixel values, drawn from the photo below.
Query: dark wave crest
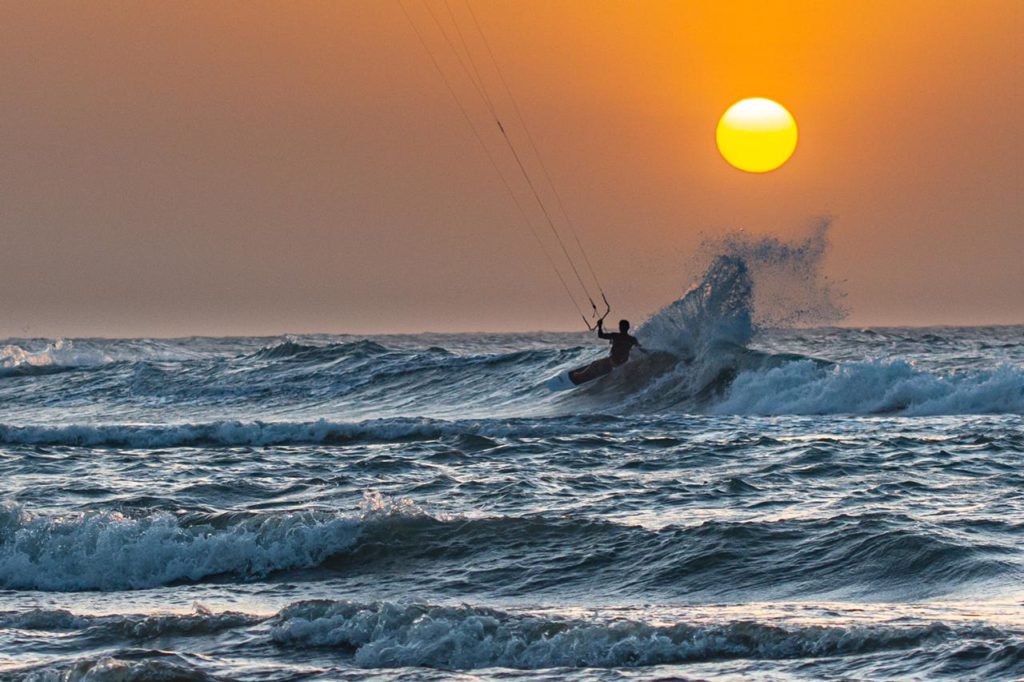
(864, 555)
(301, 352)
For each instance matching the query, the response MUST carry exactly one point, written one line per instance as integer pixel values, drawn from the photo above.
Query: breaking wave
(131, 627)
(395, 635)
(896, 387)
(110, 551)
(389, 635)
(842, 555)
(704, 361)
(59, 356)
(302, 352)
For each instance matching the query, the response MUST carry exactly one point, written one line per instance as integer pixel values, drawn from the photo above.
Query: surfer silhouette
(622, 343)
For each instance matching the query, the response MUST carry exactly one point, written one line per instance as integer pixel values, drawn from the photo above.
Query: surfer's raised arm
(601, 334)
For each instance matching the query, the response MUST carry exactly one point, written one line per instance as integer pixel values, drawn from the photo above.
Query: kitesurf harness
(579, 289)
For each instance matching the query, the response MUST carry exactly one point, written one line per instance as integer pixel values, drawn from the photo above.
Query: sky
(187, 168)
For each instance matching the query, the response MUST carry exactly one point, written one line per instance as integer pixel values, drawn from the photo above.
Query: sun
(756, 135)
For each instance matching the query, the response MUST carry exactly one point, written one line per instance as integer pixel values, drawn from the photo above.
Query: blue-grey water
(778, 504)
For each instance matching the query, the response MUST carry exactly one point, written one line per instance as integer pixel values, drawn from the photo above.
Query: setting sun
(756, 135)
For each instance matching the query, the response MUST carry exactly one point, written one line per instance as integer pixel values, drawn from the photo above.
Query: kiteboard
(581, 375)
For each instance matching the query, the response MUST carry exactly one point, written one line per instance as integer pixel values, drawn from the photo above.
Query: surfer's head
(623, 326)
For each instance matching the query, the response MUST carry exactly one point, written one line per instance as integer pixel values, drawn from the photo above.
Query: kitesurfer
(622, 342)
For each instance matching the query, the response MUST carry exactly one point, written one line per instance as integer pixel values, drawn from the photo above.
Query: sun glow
(756, 135)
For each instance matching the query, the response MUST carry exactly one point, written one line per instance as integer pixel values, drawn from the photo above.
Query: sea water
(740, 502)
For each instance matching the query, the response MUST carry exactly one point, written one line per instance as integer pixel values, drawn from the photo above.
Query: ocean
(743, 501)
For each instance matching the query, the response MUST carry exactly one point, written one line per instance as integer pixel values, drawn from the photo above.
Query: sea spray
(789, 287)
(748, 283)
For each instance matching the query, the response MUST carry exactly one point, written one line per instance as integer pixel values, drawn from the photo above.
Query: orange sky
(173, 168)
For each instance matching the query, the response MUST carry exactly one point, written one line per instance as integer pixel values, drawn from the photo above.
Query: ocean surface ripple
(742, 502)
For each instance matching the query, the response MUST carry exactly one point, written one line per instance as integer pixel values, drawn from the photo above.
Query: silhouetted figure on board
(622, 343)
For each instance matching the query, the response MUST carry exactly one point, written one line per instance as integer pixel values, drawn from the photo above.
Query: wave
(848, 556)
(720, 378)
(155, 665)
(364, 378)
(704, 363)
(200, 623)
(387, 634)
(59, 356)
(700, 341)
(740, 381)
(111, 551)
(842, 555)
(232, 433)
(390, 635)
(896, 387)
(294, 350)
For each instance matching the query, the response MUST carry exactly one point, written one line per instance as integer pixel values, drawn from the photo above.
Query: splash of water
(749, 283)
(790, 288)
(716, 312)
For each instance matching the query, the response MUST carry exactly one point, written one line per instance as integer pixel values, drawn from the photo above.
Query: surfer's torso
(621, 345)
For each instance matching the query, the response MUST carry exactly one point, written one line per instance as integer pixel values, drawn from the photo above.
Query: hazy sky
(176, 168)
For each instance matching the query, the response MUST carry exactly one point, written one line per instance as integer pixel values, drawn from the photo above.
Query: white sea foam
(60, 354)
(392, 635)
(109, 551)
(806, 387)
(388, 635)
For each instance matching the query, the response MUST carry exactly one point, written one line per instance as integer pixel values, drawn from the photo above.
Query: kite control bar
(600, 320)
